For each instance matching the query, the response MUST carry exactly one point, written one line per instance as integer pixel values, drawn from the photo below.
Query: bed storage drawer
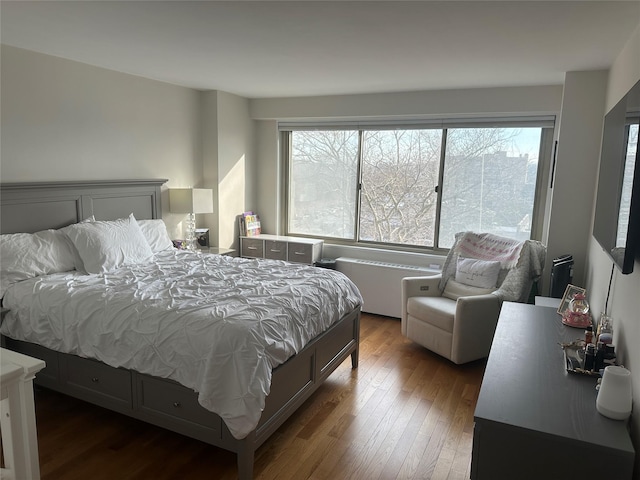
(275, 250)
(252, 247)
(169, 401)
(98, 383)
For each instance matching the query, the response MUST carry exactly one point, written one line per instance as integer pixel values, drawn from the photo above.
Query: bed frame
(30, 207)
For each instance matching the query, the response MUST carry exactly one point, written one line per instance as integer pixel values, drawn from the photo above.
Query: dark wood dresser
(535, 420)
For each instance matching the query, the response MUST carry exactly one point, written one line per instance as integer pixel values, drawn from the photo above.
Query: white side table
(18, 419)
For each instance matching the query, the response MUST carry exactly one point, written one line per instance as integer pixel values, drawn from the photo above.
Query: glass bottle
(588, 335)
(590, 357)
(599, 359)
(605, 330)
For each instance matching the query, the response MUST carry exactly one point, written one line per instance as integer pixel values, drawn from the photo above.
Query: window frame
(545, 153)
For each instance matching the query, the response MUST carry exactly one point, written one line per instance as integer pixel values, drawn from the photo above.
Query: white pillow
(477, 273)
(79, 265)
(28, 255)
(455, 290)
(106, 245)
(155, 232)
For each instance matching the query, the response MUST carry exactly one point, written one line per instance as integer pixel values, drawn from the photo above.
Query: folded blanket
(486, 246)
(521, 262)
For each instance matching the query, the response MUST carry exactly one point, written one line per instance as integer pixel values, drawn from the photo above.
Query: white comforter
(213, 323)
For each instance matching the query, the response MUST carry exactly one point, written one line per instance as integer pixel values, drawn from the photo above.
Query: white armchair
(456, 320)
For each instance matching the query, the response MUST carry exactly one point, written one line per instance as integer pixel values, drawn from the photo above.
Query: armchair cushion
(455, 290)
(439, 310)
(477, 273)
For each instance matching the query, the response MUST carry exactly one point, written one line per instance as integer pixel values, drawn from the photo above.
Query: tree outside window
(382, 186)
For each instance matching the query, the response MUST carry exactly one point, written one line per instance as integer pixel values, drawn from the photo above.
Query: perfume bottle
(605, 330)
(588, 335)
(599, 358)
(590, 357)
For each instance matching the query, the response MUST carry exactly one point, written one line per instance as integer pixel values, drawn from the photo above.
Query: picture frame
(569, 292)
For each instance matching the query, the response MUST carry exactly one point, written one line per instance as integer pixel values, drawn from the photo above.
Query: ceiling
(305, 48)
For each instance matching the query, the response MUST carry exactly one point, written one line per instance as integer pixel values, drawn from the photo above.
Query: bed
(141, 356)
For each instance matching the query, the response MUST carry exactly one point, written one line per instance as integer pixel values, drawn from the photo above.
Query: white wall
(64, 120)
(436, 103)
(624, 301)
(268, 201)
(580, 133)
(237, 178)
(209, 132)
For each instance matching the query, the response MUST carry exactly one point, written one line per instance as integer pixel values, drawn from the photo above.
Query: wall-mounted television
(617, 218)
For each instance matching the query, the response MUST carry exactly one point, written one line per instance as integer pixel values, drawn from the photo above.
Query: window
(489, 182)
(323, 182)
(413, 186)
(399, 179)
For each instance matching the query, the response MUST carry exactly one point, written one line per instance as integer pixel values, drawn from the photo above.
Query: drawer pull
(252, 248)
(95, 380)
(298, 253)
(275, 251)
(177, 404)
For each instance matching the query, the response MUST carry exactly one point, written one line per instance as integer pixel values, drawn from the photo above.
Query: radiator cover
(380, 282)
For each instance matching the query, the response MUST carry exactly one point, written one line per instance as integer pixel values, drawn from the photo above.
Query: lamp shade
(191, 200)
(614, 396)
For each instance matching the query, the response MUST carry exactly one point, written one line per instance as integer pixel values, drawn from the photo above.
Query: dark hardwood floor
(404, 413)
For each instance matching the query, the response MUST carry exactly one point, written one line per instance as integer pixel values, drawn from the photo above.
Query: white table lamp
(191, 201)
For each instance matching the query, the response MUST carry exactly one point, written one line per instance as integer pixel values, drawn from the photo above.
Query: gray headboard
(31, 207)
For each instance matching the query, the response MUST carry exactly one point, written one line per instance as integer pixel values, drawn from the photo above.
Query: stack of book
(249, 224)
